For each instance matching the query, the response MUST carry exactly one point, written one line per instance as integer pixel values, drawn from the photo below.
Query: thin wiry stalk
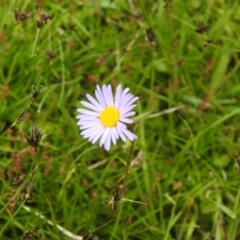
(60, 228)
(21, 116)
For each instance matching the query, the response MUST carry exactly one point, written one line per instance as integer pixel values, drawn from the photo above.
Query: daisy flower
(106, 116)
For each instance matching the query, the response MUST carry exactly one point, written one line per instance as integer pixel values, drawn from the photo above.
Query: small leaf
(225, 209)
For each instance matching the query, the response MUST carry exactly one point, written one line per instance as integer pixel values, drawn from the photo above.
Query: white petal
(90, 106)
(117, 96)
(94, 102)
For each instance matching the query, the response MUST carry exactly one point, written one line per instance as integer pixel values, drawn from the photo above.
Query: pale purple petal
(110, 96)
(87, 135)
(126, 99)
(100, 97)
(98, 135)
(89, 105)
(107, 143)
(83, 121)
(129, 134)
(128, 114)
(94, 102)
(105, 93)
(90, 131)
(114, 131)
(133, 100)
(126, 120)
(104, 136)
(124, 93)
(89, 124)
(87, 117)
(121, 125)
(127, 109)
(117, 96)
(87, 112)
(120, 133)
(113, 136)
(128, 103)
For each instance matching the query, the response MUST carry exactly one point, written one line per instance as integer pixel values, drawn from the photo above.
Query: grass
(181, 59)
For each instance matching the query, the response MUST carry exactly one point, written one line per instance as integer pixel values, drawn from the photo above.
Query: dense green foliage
(181, 58)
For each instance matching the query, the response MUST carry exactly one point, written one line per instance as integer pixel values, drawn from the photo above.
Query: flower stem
(119, 214)
(128, 164)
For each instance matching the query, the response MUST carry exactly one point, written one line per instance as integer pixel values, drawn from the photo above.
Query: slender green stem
(128, 164)
(124, 184)
(63, 73)
(35, 42)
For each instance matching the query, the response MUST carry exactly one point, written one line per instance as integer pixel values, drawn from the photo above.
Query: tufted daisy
(106, 116)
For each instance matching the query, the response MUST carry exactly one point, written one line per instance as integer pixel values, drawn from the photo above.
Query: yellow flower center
(109, 116)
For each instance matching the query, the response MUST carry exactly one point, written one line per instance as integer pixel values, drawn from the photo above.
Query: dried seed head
(179, 63)
(22, 116)
(90, 236)
(50, 56)
(26, 192)
(201, 28)
(31, 234)
(150, 36)
(36, 91)
(35, 137)
(43, 18)
(116, 199)
(168, 6)
(72, 26)
(18, 183)
(208, 43)
(21, 16)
